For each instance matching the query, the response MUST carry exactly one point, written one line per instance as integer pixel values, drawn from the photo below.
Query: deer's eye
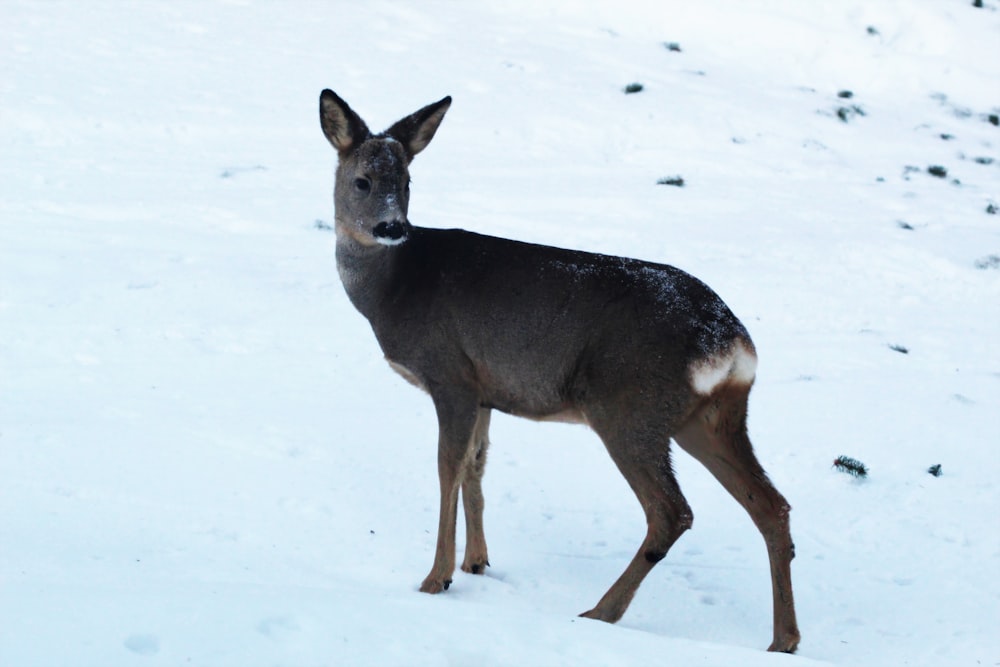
(362, 184)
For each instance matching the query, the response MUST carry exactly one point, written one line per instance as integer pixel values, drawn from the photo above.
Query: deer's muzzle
(389, 233)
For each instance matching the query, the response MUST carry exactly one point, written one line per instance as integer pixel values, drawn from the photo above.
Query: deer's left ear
(416, 130)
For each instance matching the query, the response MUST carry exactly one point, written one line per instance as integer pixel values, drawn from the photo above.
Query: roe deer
(639, 352)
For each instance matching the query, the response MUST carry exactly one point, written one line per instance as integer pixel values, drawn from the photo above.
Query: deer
(644, 354)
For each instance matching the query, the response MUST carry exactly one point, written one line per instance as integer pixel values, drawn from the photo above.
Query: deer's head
(372, 190)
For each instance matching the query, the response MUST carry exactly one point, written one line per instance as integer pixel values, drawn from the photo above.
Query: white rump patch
(738, 364)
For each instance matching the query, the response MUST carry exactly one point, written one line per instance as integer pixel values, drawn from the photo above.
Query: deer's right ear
(343, 128)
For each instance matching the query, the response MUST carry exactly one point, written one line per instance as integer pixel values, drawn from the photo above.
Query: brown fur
(641, 352)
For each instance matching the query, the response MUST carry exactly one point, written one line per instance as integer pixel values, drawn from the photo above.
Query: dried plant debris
(847, 113)
(991, 117)
(988, 262)
(676, 181)
(850, 466)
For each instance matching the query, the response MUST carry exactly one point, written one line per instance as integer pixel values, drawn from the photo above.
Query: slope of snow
(204, 459)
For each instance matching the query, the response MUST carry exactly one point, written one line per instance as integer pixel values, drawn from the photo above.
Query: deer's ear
(416, 130)
(342, 127)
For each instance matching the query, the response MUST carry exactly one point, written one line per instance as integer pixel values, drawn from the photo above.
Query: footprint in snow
(143, 644)
(277, 627)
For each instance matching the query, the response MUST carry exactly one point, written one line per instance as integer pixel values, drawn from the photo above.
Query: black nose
(393, 230)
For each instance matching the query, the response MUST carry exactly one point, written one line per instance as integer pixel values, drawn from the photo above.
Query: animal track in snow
(277, 627)
(142, 644)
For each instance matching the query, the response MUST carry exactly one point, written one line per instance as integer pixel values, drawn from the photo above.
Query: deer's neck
(367, 272)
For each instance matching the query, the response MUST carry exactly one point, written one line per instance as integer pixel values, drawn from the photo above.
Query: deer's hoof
(475, 568)
(597, 615)
(785, 644)
(433, 586)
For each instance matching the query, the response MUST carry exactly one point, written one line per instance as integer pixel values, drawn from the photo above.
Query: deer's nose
(389, 232)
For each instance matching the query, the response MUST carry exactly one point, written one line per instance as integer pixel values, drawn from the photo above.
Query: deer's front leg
(457, 415)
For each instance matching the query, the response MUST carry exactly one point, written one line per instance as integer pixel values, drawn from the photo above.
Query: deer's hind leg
(717, 437)
(643, 457)
(476, 557)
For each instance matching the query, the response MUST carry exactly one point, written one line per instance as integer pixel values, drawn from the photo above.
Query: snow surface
(204, 459)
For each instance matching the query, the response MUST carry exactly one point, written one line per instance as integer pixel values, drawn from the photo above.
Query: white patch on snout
(737, 364)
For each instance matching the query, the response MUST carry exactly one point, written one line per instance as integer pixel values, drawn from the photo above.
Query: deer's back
(539, 329)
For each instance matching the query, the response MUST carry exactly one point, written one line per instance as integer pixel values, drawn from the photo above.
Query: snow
(205, 460)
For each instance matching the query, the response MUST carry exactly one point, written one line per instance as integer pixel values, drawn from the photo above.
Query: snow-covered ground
(204, 459)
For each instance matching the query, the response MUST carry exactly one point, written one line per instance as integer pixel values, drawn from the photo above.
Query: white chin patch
(385, 240)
